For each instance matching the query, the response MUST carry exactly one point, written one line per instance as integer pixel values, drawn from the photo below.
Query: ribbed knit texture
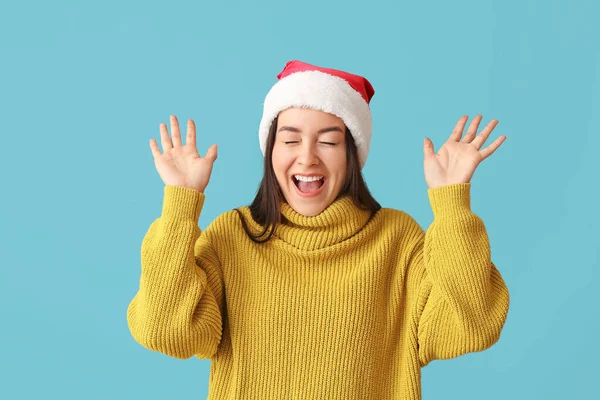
(335, 306)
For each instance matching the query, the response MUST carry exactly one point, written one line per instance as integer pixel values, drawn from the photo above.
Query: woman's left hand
(456, 160)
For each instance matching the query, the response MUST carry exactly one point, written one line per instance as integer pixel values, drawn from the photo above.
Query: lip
(312, 194)
(314, 174)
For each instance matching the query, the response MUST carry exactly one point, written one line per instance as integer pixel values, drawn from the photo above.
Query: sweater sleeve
(177, 309)
(461, 299)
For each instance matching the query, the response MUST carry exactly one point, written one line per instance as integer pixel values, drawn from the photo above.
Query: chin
(307, 206)
(308, 210)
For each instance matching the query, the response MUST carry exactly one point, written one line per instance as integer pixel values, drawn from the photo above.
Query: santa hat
(330, 90)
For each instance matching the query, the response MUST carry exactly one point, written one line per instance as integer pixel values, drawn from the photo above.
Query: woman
(314, 291)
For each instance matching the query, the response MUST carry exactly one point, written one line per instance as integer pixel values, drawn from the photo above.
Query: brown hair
(265, 209)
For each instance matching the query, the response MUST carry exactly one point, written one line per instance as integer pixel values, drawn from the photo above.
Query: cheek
(338, 163)
(280, 164)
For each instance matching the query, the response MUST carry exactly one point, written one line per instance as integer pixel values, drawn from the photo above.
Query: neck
(338, 222)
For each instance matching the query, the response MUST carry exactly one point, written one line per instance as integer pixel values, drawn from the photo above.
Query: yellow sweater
(336, 306)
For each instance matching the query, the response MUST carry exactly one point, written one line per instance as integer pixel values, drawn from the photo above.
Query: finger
(428, 147)
(480, 140)
(211, 154)
(485, 153)
(458, 128)
(190, 138)
(165, 141)
(472, 131)
(175, 135)
(154, 148)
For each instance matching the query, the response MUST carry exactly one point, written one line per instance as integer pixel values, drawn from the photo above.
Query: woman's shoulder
(230, 222)
(226, 219)
(398, 220)
(395, 215)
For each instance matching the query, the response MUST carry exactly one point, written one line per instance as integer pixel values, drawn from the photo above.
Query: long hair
(265, 208)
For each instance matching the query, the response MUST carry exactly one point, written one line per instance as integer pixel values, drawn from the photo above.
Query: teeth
(308, 178)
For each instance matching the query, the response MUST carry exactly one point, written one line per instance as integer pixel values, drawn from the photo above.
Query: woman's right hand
(180, 165)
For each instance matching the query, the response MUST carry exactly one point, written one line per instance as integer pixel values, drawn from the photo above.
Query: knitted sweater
(335, 306)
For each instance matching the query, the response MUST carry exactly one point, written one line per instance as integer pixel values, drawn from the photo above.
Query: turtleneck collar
(336, 223)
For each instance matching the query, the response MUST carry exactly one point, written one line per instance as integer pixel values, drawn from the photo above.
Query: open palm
(456, 160)
(181, 165)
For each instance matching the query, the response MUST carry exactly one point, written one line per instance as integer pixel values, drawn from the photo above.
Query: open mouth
(308, 187)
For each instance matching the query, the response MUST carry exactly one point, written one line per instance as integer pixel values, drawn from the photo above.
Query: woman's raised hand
(456, 160)
(181, 165)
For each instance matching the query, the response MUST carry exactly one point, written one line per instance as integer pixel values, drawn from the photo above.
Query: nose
(308, 156)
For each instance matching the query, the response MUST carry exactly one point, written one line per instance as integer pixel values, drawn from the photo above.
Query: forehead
(308, 117)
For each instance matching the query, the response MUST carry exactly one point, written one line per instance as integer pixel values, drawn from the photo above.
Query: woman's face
(309, 143)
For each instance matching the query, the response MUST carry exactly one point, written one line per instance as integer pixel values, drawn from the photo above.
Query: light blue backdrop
(84, 86)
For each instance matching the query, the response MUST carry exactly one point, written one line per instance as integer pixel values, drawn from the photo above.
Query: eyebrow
(328, 129)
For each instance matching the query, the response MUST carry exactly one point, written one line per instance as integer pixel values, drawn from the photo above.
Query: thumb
(428, 147)
(211, 154)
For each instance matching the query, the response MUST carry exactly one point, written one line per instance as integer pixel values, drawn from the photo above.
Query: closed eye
(327, 143)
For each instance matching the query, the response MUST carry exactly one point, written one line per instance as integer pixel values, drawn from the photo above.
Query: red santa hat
(330, 90)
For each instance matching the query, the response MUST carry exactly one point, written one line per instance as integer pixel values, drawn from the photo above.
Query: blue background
(84, 86)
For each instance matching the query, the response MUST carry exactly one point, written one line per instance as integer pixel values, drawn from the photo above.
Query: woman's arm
(177, 309)
(461, 300)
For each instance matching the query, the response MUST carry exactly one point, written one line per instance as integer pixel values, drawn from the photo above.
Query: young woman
(315, 291)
